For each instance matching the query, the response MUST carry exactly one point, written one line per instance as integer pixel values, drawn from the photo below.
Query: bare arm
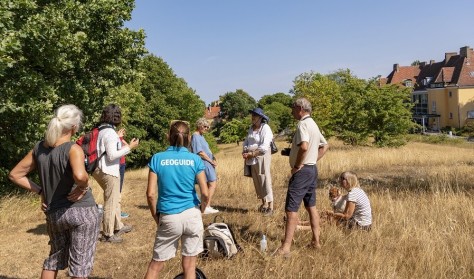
(201, 179)
(79, 173)
(300, 157)
(348, 212)
(204, 156)
(18, 174)
(151, 194)
(322, 150)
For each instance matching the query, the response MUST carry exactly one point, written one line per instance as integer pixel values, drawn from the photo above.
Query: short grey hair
(304, 104)
(201, 122)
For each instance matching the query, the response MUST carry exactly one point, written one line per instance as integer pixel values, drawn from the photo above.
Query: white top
(259, 139)
(362, 212)
(308, 131)
(109, 142)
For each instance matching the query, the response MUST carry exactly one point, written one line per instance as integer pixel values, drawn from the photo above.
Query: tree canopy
(58, 52)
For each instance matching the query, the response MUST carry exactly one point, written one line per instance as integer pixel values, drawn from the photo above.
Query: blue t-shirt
(176, 169)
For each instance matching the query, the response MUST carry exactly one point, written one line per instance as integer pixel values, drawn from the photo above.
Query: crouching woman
(176, 211)
(358, 212)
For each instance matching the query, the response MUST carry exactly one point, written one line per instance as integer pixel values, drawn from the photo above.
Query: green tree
(352, 119)
(234, 131)
(280, 116)
(58, 52)
(324, 95)
(281, 98)
(389, 114)
(166, 97)
(236, 104)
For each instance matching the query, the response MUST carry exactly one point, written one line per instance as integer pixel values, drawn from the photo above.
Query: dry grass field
(422, 197)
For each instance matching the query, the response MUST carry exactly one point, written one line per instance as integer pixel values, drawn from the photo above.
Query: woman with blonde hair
(71, 212)
(200, 147)
(358, 212)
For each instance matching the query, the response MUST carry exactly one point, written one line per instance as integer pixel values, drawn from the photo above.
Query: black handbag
(247, 170)
(273, 147)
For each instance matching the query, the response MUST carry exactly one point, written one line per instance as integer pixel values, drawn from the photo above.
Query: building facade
(443, 92)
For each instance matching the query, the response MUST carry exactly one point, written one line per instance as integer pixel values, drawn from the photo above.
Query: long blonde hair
(66, 118)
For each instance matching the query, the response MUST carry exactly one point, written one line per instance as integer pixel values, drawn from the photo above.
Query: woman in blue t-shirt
(177, 210)
(200, 147)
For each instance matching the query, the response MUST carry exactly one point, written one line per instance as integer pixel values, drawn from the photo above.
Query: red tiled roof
(403, 73)
(212, 112)
(445, 75)
(456, 69)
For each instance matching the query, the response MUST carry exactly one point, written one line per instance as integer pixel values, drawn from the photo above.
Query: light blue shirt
(176, 169)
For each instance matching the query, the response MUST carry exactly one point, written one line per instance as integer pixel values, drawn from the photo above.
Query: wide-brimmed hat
(259, 111)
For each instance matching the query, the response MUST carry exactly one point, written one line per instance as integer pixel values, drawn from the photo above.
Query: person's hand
(121, 132)
(44, 206)
(247, 155)
(295, 170)
(214, 163)
(133, 143)
(77, 194)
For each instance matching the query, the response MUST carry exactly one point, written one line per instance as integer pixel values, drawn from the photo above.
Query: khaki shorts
(186, 226)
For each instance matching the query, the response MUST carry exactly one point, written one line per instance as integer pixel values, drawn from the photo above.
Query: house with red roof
(443, 92)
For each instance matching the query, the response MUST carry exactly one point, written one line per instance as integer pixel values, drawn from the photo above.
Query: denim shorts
(302, 187)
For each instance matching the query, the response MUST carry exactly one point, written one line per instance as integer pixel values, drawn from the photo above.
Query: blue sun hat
(259, 112)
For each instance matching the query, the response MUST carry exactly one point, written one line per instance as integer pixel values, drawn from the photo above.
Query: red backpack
(88, 142)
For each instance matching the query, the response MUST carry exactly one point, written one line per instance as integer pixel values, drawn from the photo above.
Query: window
(433, 106)
(408, 83)
(427, 80)
(470, 114)
(450, 115)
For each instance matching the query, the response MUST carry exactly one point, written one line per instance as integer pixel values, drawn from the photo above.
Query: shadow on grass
(7, 277)
(231, 209)
(40, 229)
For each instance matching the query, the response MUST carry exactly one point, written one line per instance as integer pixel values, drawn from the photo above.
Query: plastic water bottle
(263, 244)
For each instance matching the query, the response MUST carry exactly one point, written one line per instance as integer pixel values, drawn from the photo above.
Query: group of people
(71, 211)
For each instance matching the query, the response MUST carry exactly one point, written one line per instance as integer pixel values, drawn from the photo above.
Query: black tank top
(56, 177)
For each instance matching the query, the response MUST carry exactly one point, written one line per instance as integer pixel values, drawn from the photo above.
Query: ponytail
(179, 134)
(66, 119)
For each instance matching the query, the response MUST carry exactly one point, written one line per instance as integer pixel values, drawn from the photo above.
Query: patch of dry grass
(421, 194)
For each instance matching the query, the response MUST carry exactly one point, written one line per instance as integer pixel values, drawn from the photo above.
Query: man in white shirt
(308, 146)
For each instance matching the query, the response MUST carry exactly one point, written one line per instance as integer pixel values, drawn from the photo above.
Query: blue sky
(261, 46)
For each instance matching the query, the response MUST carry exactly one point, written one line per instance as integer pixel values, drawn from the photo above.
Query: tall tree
(57, 52)
(389, 114)
(324, 95)
(167, 97)
(236, 104)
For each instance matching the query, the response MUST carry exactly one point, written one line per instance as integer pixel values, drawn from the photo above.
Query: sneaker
(124, 229)
(268, 212)
(210, 210)
(124, 215)
(112, 239)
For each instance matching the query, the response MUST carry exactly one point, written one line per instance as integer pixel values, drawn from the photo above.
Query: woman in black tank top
(67, 201)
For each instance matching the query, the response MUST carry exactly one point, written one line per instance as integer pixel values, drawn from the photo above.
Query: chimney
(466, 52)
(432, 62)
(448, 56)
(396, 67)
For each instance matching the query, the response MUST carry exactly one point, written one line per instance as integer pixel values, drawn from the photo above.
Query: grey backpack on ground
(219, 241)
